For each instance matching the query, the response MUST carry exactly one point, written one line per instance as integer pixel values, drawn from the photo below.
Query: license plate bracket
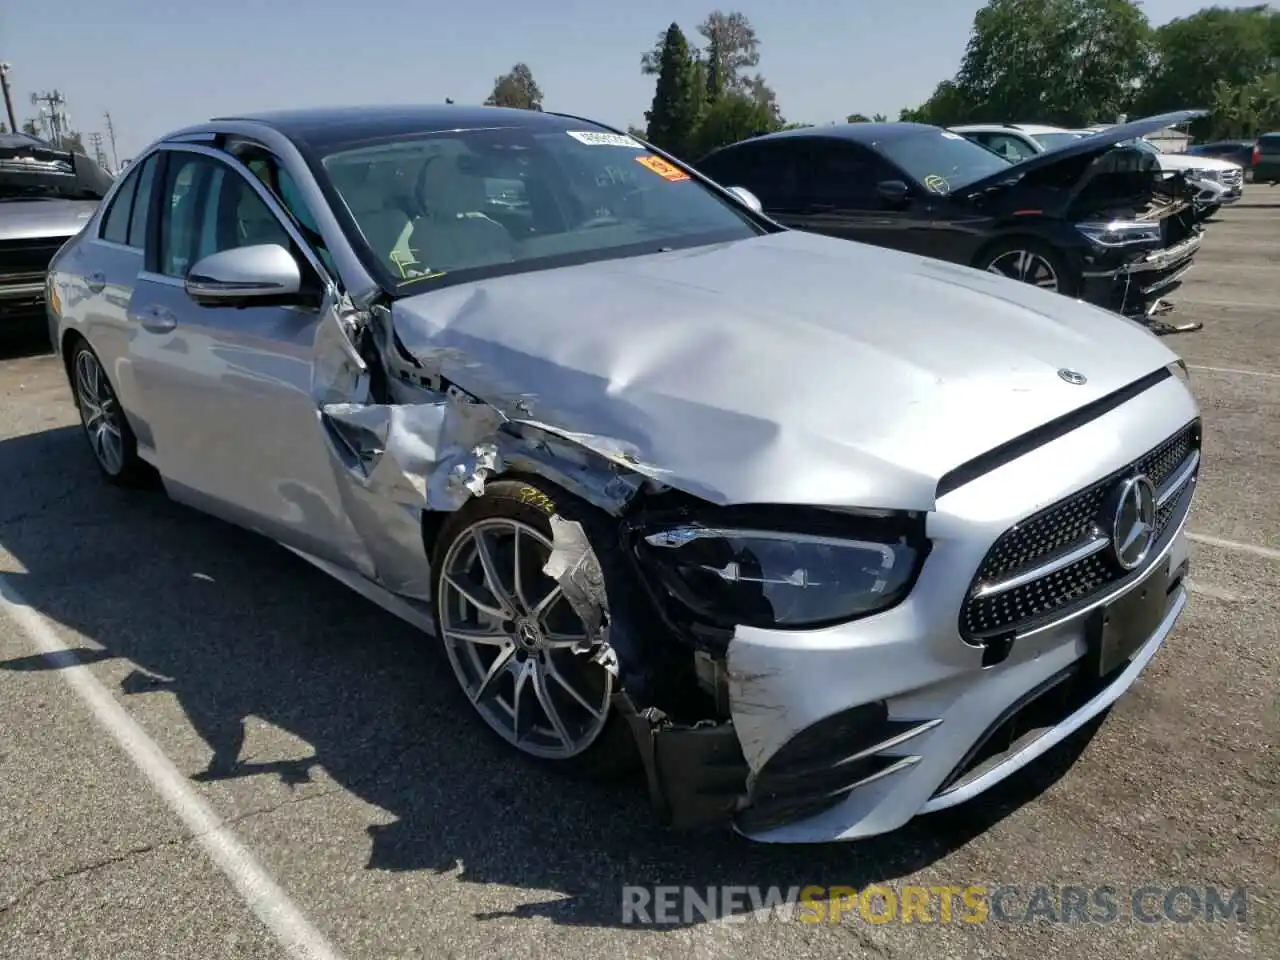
(1118, 629)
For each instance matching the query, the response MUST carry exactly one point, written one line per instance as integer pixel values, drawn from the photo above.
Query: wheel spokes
(501, 618)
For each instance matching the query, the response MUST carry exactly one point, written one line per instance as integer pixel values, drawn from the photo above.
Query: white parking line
(1267, 553)
(271, 904)
(1235, 371)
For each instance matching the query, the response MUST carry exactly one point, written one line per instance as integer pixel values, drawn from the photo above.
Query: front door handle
(96, 282)
(156, 319)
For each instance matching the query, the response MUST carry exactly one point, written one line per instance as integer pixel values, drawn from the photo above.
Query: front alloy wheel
(517, 647)
(1026, 266)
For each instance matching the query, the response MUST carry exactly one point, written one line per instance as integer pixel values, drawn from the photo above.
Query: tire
(106, 427)
(602, 746)
(1000, 258)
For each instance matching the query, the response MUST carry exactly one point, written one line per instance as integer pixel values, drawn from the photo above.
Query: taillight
(1257, 155)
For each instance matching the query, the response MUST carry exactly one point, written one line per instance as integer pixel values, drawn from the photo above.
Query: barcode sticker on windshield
(597, 138)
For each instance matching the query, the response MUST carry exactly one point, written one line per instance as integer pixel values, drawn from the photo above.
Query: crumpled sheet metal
(433, 456)
(575, 567)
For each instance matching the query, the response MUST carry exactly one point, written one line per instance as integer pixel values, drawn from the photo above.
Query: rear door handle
(96, 282)
(156, 319)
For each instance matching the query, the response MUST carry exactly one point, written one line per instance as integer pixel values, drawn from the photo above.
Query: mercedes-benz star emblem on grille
(1071, 376)
(1133, 526)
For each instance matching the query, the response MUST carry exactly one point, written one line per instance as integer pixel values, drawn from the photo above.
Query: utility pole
(99, 155)
(8, 98)
(54, 102)
(111, 135)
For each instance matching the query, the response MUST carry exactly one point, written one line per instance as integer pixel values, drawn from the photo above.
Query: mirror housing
(748, 198)
(243, 275)
(893, 192)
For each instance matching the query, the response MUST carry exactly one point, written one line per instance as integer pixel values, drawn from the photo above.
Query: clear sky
(158, 65)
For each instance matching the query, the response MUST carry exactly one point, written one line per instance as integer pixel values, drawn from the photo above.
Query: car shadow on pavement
(235, 627)
(24, 340)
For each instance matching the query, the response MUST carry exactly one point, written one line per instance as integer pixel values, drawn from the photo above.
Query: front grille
(1057, 530)
(1232, 178)
(27, 259)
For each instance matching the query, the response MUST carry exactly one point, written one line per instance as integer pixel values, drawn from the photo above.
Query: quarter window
(116, 225)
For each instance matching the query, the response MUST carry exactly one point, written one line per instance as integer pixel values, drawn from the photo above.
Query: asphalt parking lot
(317, 784)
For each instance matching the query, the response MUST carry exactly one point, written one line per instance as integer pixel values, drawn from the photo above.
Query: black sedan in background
(1090, 219)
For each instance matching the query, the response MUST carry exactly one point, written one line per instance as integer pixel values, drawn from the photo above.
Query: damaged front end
(410, 445)
(1142, 230)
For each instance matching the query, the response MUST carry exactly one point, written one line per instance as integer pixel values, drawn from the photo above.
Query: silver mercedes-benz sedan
(820, 536)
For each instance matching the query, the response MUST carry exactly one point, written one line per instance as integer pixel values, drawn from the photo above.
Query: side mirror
(748, 198)
(893, 192)
(243, 275)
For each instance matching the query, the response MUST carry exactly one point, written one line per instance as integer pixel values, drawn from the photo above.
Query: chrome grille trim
(1052, 564)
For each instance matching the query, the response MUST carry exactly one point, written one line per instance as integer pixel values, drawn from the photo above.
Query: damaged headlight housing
(1120, 233)
(776, 579)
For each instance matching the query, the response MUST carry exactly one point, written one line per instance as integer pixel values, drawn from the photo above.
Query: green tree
(1058, 61)
(735, 116)
(1196, 55)
(857, 118)
(516, 89)
(677, 97)
(947, 105)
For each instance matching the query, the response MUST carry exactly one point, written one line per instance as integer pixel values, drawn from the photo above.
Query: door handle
(156, 319)
(96, 282)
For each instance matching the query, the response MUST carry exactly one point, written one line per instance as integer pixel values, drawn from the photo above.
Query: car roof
(326, 127)
(856, 132)
(1030, 129)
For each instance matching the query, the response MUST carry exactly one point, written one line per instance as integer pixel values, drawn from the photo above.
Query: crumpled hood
(44, 219)
(790, 368)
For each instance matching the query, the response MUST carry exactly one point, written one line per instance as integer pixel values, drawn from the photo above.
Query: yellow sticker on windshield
(667, 171)
(936, 183)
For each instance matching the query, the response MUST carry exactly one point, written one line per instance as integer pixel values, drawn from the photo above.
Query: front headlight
(776, 579)
(1120, 233)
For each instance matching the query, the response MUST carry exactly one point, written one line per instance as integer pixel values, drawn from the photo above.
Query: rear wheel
(114, 447)
(520, 653)
(1029, 261)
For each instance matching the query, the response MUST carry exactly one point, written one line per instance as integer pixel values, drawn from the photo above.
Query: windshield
(31, 170)
(942, 160)
(1051, 141)
(466, 204)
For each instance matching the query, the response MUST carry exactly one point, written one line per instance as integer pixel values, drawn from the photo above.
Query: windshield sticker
(667, 171)
(951, 136)
(936, 183)
(595, 138)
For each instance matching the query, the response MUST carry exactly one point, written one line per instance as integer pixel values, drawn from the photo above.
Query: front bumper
(21, 299)
(852, 731)
(1133, 286)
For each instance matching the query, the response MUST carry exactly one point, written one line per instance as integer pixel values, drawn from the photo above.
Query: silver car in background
(821, 535)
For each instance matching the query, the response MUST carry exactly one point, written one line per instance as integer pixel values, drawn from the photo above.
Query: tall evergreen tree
(676, 100)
